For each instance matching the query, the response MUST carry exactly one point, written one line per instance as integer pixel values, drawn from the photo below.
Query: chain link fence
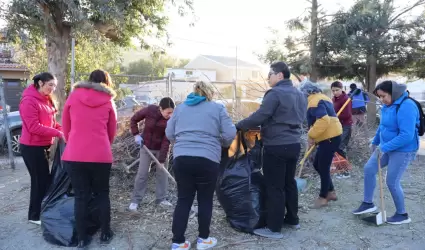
(5, 131)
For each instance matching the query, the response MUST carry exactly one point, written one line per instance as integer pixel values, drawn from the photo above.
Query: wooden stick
(160, 166)
(381, 188)
(127, 169)
(304, 159)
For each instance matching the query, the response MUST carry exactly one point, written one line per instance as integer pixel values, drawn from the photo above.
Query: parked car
(7, 108)
(15, 127)
(126, 106)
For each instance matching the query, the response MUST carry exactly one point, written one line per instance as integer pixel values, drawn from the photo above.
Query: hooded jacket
(346, 117)
(398, 131)
(89, 123)
(154, 130)
(200, 128)
(39, 125)
(359, 101)
(321, 118)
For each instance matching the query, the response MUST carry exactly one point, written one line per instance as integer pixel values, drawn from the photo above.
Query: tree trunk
(371, 83)
(58, 46)
(313, 41)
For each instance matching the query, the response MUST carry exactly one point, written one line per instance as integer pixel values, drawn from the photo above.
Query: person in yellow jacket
(325, 131)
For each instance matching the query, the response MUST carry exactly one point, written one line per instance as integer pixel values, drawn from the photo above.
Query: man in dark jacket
(281, 114)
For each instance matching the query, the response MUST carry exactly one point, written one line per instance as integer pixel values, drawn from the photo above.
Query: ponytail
(43, 77)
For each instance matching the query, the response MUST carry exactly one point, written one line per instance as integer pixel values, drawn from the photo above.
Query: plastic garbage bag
(255, 155)
(57, 214)
(240, 190)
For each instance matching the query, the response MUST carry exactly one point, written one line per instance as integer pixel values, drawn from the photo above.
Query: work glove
(139, 140)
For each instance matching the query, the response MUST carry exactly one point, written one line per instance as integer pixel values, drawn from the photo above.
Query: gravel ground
(333, 227)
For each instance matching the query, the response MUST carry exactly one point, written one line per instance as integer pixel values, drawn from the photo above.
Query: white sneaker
(203, 244)
(133, 207)
(165, 203)
(37, 222)
(182, 246)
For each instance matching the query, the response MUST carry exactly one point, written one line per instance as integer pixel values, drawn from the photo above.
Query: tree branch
(419, 2)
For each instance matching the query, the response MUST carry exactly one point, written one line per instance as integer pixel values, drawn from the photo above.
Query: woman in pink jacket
(39, 127)
(89, 125)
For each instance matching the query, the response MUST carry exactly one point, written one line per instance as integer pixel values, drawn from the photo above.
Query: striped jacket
(321, 118)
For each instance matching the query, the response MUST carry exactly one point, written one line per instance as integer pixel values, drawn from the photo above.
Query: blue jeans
(397, 163)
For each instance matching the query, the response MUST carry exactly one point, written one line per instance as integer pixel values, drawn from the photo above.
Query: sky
(223, 25)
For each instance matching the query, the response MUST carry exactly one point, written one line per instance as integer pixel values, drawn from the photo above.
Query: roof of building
(231, 61)
(12, 67)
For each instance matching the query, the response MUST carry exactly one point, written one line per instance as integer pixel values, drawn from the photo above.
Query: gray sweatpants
(141, 181)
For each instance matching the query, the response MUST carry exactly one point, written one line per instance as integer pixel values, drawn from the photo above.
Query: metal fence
(239, 99)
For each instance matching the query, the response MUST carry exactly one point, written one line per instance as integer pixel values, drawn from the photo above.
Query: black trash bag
(255, 155)
(240, 190)
(57, 210)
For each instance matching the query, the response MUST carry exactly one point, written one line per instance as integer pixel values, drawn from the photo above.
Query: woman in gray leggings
(153, 137)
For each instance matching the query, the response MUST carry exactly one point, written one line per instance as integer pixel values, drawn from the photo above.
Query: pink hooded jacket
(89, 123)
(39, 125)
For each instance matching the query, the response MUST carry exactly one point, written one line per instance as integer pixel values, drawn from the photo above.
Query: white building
(192, 74)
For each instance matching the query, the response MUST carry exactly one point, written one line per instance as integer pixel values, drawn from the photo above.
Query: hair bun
(36, 77)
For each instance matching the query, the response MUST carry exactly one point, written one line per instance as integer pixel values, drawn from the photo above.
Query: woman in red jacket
(89, 125)
(39, 127)
(153, 137)
(346, 119)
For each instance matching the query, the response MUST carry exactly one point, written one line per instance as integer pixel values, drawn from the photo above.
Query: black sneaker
(106, 238)
(365, 208)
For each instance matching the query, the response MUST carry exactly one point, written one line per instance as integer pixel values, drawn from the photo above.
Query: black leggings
(193, 175)
(90, 179)
(36, 160)
(323, 161)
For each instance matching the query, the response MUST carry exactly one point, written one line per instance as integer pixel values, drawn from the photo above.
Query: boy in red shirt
(346, 119)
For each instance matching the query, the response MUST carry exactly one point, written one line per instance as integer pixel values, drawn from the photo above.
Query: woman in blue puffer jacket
(398, 140)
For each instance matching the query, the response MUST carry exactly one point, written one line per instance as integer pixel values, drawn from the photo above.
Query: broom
(381, 217)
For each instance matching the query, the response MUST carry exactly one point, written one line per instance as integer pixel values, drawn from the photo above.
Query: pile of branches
(358, 152)
(124, 149)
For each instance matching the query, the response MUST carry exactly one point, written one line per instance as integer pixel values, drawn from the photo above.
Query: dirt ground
(333, 227)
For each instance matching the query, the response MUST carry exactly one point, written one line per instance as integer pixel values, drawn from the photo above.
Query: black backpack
(421, 129)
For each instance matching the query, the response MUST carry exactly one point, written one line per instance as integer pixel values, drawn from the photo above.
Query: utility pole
(6, 125)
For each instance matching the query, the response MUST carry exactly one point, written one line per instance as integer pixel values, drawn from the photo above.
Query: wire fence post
(6, 125)
(170, 82)
(234, 96)
(167, 85)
